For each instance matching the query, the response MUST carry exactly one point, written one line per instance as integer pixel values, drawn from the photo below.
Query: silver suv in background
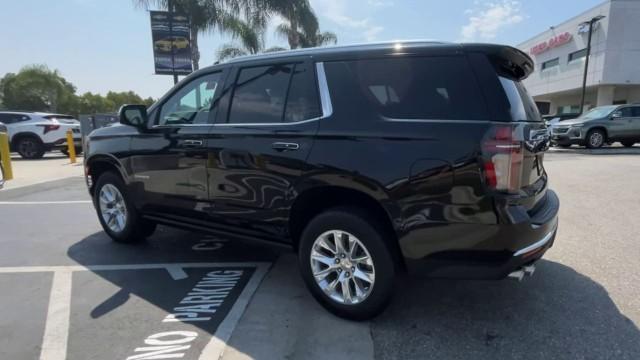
(32, 134)
(599, 126)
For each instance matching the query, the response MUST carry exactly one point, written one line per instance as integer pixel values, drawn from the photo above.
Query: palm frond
(274, 49)
(229, 51)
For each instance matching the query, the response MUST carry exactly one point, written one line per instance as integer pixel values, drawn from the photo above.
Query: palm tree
(309, 40)
(249, 33)
(298, 16)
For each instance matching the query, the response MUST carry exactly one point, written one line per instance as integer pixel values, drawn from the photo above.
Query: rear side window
(273, 94)
(303, 99)
(13, 118)
(418, 87)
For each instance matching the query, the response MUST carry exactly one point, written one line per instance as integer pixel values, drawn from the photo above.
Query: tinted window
(635, 112)
(302, 99)
(578, 54)
(13, 118)
(415, 88)
(550, 63)
(259, 94)
(522, 106)
(625, 112)
(192, 103)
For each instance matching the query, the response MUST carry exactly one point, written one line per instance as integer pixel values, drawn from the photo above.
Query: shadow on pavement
(155, 286)
(556, 314)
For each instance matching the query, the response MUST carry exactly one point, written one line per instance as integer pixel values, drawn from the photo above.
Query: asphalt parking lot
(68, 292)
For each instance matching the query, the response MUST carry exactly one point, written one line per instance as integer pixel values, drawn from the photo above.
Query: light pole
(589, 23)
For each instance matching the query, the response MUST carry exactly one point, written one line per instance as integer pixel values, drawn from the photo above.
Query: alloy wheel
(596, 139)
(113, 208)
(342, 267)
(28, 148)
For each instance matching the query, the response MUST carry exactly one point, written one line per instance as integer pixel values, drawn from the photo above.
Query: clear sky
(102, 45)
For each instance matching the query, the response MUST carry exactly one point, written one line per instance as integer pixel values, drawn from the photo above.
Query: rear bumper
(573, 136)
(508, 248)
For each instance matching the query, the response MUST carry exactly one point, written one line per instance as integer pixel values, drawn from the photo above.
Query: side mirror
(615, 115)
(134, 115)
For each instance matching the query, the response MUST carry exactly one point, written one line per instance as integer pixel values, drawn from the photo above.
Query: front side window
(192, 104)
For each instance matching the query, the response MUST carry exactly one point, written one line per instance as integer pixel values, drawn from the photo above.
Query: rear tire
(117, 214)
(596, 138)
(628, 143)
(30, 147)
(364, 263)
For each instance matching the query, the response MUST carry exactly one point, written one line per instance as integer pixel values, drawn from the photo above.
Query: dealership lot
(120, 301)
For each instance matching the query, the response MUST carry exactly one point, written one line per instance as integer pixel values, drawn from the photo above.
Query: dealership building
(559, 53)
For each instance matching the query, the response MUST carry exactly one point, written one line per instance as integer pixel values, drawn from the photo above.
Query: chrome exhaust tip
(517, 275)
(529, 269)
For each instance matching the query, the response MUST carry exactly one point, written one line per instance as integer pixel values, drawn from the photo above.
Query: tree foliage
(37, 88)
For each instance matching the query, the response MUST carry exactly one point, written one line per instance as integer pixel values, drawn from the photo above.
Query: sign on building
(171, 43)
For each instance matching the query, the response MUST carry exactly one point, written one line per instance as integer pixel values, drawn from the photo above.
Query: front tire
(117, 214)
(346, 263)
(596, 138)
(30, 147)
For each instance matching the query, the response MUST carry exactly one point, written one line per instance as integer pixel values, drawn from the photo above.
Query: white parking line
(54, 342)
(30, 269)
(45, 202)
(216, 346)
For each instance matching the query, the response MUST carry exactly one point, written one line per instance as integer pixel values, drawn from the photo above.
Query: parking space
(75, 294)
(69, 292)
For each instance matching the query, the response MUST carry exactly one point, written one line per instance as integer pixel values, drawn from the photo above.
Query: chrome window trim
(325, 103)
(325, 95)
(179, 125)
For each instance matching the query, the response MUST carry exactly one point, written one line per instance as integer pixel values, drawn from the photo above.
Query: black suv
(367, 160)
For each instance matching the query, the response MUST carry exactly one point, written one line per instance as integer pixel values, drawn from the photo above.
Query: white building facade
(559, 53)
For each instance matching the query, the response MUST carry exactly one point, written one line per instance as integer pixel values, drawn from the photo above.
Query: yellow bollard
(71, 147)
(5, 154)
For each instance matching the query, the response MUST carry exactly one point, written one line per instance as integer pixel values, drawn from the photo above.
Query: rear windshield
(522, 106)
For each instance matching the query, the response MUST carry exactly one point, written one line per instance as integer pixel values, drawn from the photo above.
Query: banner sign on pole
(171, 43)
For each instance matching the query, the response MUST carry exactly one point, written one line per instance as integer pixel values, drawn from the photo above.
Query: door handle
(283, 146)
(192, 143)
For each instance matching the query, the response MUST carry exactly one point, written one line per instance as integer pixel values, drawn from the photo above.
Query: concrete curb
(11, 193)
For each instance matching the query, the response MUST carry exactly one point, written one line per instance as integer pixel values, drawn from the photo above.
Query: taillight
(51, 127)
(503, 156)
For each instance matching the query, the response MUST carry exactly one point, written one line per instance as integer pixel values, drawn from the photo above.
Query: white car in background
(32, 134)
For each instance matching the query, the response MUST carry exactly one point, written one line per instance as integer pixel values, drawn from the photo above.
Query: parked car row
(597, 127)
(32, 134)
